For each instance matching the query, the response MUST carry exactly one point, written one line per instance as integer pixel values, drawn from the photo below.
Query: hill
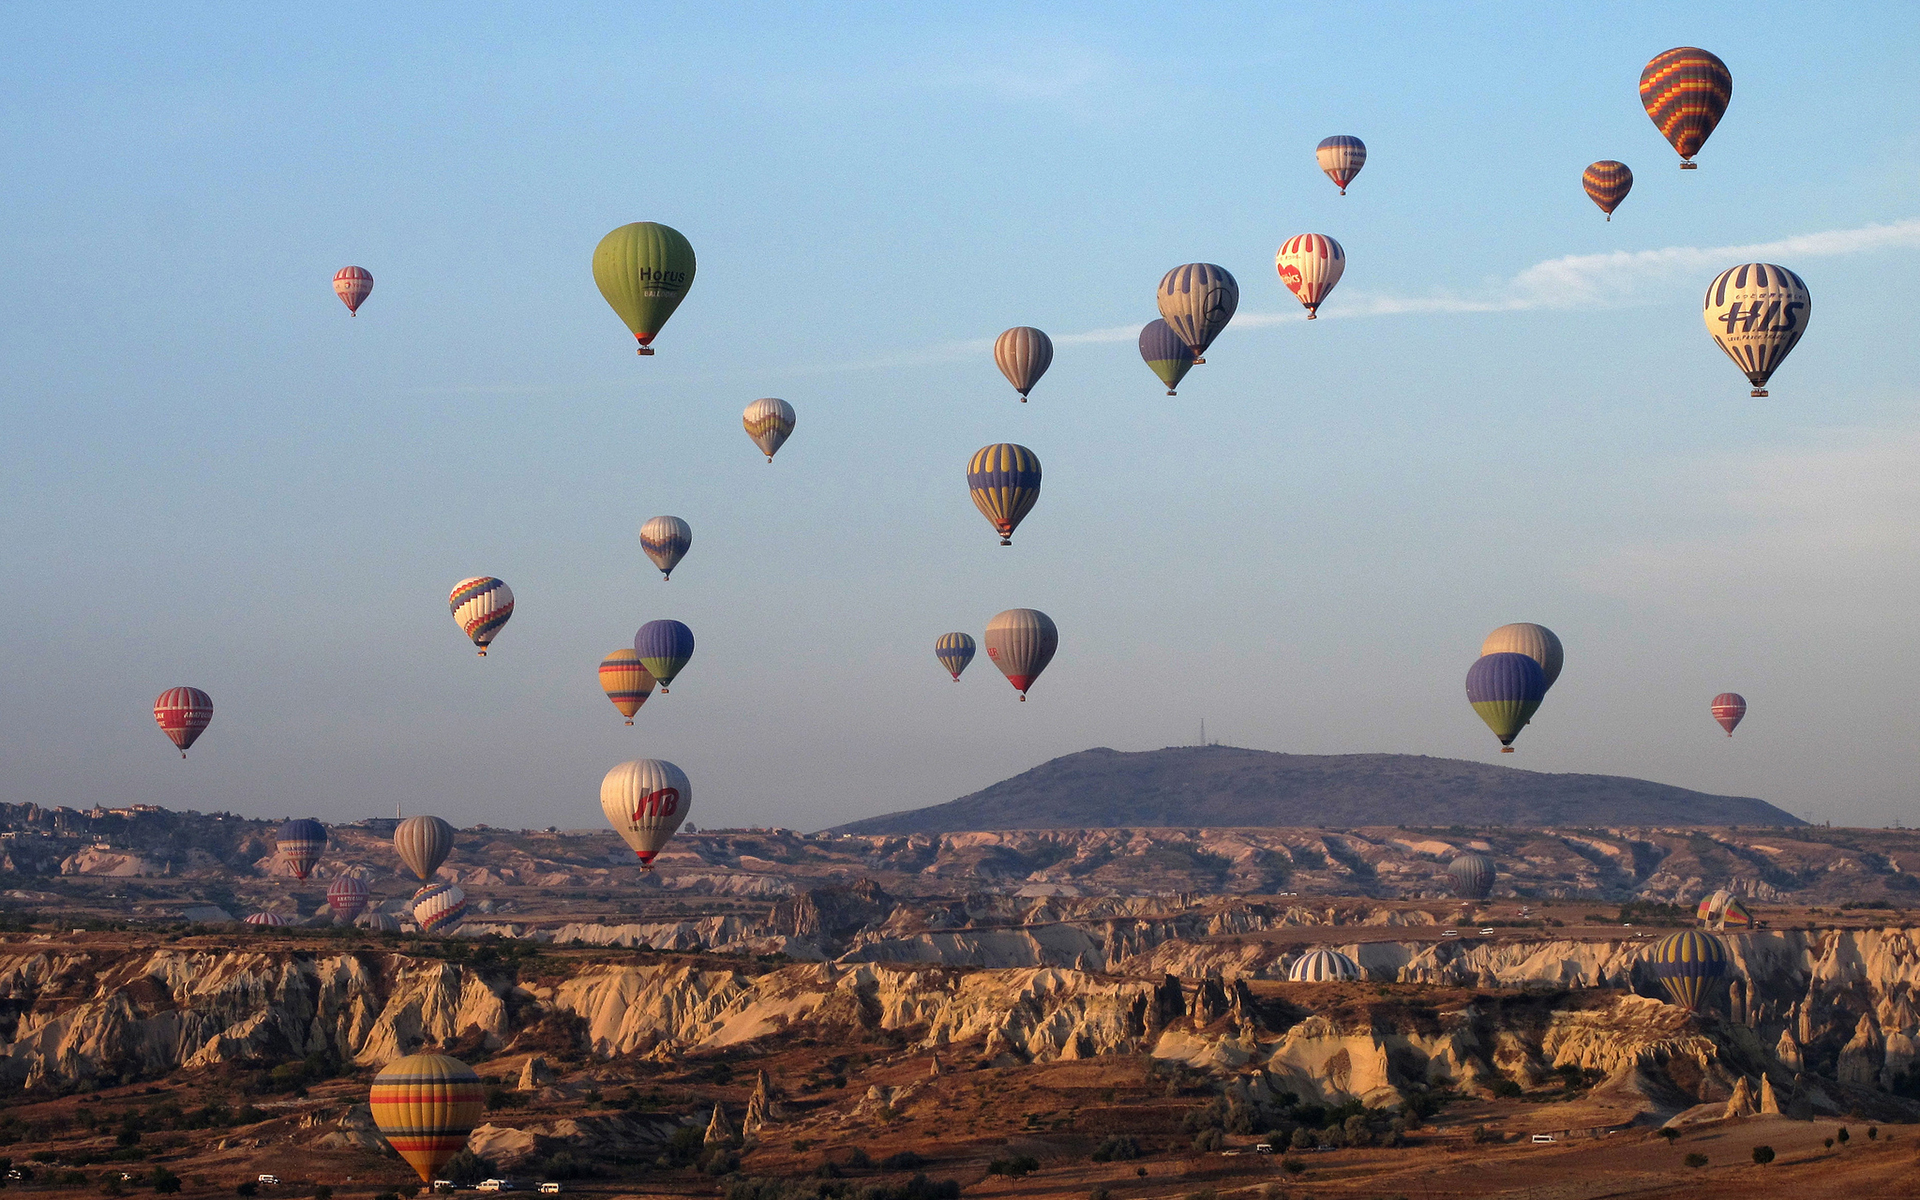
(1230, 787)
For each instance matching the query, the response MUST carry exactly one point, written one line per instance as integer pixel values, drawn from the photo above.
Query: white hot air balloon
(1021, 642)
(645, 800)
(423, 843)
(666, 541)
(1023, 355)
(1310, 264)
(1322, 965)
(1756, 312)
(1537, 642)
(769, 423)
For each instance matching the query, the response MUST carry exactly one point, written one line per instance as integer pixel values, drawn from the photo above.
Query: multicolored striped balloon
(1004, 480)
(664, 648)
(1537, 642)
(769, 423)
(1736, 915)
(1607, 183)
(1196, 301)
(645, 801)
(266, 918)
(1310, 264)
(423, 843)
(347, 895)
(301, 842)
(644, 270)
(1472, 876)
(666, 541)
(955, 651)
(1756, 313)
(1341, 157)
(1165, 354)
(1686, 91)
(1021, 642)
(1690, 965)
(1322, 965)
(439, 907)
(481, 606)
(1023, 355)
(1506, 690)
(626, 681)
(426, 1106)
(353, 285)
(1728, 709)
(183, 714)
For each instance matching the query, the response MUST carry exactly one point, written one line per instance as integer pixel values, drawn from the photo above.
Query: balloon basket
(645, 352)
(183, 753)
(481, 653)
(1758, 392)
(1312, 316)
(1689, 166)
(1171, 392)
(769, 460)
(1023, 399)
(629, 721)
(1023, 697)
(1506, 749)
(1006, 541)
(1199, 362)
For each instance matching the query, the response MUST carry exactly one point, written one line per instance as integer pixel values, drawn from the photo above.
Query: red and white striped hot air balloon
(183, 713)
(1728, 708)
(353, 285)
(1310, 264)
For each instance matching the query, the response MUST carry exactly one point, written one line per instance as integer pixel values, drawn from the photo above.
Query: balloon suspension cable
(1609, 218)
(183, 753)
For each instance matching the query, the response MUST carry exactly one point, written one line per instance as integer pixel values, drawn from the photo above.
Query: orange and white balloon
(1310, 264)
(353, 285)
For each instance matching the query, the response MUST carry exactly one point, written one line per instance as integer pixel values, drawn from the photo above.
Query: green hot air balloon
(644, 270)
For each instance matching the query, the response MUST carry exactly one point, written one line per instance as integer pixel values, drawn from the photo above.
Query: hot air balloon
(1322, 965)
(1196, 301)
(644, 270)
(1166, 355)
(1005, 482)
(1689, 964)
(1686, 91)
(1736, 915)
(347, 895)
(1023, 355)
(955, 651)
(769, 423)
(426, 1106)
(666, 541)
(439, 908)
(645, 800)
(1728, 708)
(1506, 690)
(266, 918)
(664, 648)
(1756, 312)
(1021, 642)
(183, 714)
(1711, 906)
(626, 681)
(1471, 876)
(1341, 157)
(301, 842)
(378, 922)
(480, 606)
(353, 285)
(423, 843)
(1607, 183)
(1310, 264)
(1535, 641)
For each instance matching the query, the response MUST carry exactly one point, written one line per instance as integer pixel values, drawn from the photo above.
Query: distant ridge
(1227, 786)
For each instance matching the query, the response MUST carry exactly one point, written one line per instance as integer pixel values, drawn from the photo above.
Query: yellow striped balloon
(1005, 482)
(1690, 965)
(426, 1106)
(769, 423)
(626, 681)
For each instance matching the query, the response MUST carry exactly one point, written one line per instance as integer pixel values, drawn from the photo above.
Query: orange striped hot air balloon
(1685, 91)
(626, 681)
(426, 1105)
(1728, 709)
(1607, 183)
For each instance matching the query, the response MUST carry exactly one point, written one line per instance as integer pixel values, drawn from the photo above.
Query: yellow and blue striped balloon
(1005, 481)
(1690, 964)
(955, 651)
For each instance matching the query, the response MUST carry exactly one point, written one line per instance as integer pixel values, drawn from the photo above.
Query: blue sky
(1509, 411)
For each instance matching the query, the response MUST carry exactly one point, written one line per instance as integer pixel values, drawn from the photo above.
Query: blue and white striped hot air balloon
(666, 541)
(955, 651)
(1005, 482)
(481, 606)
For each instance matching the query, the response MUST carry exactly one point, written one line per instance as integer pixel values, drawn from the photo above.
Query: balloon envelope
(1165, 354)
(265, 918)
(423, 843)
(626, 681)
(353, 285)
(1607, 183)
(1685, 91)
(1472, 876)
(645, 800)
(183, 714)
(347, 895)
(1023, 355)
(1506, 690)
(481, 606)
(1004, 480)
(1310, 264)
(769, 423)
(1196, 301)
(1689, 964)
(1021, 642)
(1756, 312)
(301, 842)
(1322, 965)
(439, 908)
(644, 270)
(426, 1106)
(1728, 709)
(666, 541)
(1341, 157)
(955, 651)
(664, 648)
(1535, 641)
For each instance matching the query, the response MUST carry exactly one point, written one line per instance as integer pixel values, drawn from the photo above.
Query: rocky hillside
(1226, 786)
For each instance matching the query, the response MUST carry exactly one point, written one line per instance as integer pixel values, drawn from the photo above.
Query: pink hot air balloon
(347, 895)
(353, 285)
(183, 713)
(1728, 708)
